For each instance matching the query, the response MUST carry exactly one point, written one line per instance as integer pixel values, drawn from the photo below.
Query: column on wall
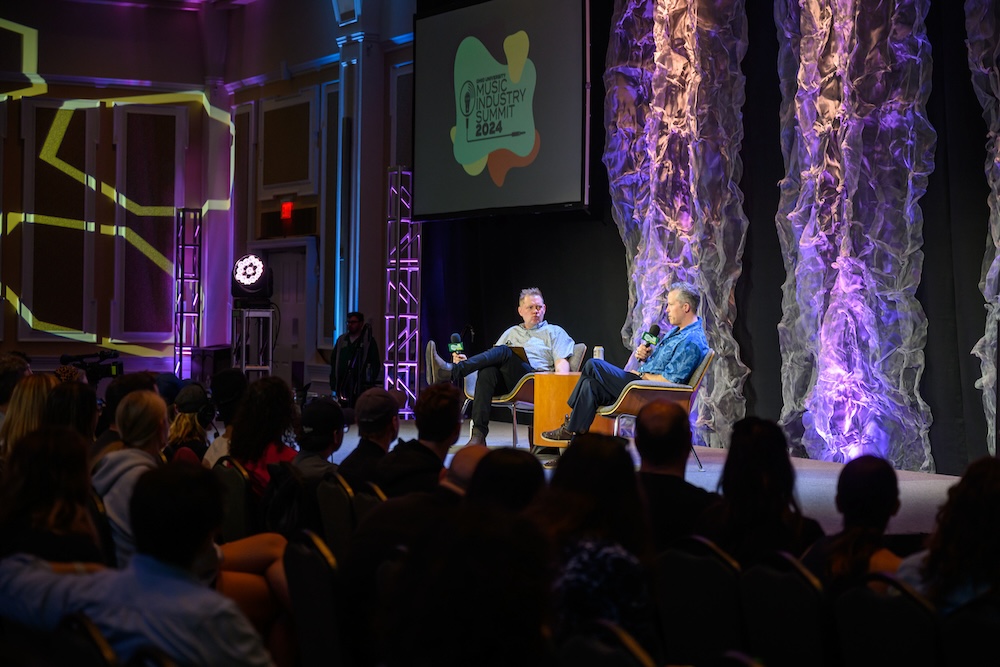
(362, 115)
(858, 148)
(673, 117)
(984, 41)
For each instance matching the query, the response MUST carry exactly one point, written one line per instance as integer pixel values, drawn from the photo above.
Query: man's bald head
(663, 434)
(463, 465)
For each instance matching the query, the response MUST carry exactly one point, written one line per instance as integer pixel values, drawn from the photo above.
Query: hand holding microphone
(456, 348)
(649, 339)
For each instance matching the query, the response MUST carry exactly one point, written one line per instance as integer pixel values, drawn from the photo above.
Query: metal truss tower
(402, 291)
(187, 289)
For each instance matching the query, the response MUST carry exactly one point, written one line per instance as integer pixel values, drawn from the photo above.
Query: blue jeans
(499, 370)
(600, 384)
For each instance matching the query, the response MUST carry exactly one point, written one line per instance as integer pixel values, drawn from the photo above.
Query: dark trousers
(600, 384)
(499, 370)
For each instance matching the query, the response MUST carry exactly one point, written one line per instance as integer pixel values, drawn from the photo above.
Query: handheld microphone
(456, 344)
(652, 336)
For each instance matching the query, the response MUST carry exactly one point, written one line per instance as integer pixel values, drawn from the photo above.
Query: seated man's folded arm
(683, 363)
(32, 594)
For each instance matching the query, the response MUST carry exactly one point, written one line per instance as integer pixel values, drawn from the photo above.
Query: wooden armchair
(522, 397)
(640, 392)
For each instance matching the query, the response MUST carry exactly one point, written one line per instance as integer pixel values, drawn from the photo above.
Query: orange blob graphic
(501, 161)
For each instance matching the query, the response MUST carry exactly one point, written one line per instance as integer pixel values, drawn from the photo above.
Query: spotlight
(252, 282)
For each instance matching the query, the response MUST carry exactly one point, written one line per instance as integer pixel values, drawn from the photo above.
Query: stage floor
(921, 494)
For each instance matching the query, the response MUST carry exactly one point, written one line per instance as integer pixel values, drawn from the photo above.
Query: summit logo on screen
(494, 120)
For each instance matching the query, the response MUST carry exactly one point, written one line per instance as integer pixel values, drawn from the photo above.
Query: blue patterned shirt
(677, 356)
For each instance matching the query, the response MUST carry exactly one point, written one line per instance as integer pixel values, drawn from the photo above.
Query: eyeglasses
(533, 307)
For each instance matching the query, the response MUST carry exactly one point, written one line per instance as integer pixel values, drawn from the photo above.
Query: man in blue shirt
(159, 600)
(672, 359)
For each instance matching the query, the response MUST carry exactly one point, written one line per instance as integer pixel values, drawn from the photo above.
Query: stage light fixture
(252, 281)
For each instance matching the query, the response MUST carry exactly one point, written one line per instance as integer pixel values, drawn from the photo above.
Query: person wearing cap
(228, 387)
(377, 415)
(323, 428)
(187, 431)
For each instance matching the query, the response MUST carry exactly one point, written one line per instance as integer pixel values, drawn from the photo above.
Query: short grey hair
(529, 291)
(687, 293)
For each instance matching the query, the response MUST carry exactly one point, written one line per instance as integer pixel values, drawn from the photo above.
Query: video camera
(95, 370)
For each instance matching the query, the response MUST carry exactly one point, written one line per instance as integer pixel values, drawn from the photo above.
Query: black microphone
(456, 344)
(652, 336)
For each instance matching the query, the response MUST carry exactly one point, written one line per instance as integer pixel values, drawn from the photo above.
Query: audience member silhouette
(867, 496)
(25, 410)
(264, 417)
(44, 493)
(322, 433)
(193, 413)
(73, 404)
(228, 389)
(758, 513)
(388, 530)
(507, 479)
(473, 591)
(596, 519)
(663, 440)
(108, 438)
(415, 465)
(156, 600)
(12, 369)
(962, 559)
(377, 414)
(142, 424)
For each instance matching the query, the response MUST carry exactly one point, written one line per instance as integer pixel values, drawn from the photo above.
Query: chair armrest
(655, 384)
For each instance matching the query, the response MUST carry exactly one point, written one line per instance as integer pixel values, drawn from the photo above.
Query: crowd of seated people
(477, 561)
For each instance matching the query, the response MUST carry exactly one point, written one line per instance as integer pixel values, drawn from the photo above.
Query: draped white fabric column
(983, 28)
(673, 115)
(855, 76)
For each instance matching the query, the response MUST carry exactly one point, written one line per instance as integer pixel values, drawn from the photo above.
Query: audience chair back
(606, 644)
(336, 510)
(970, 632)
(241, 513)
(99, 515)
(150, 656)
(640, 392)
(312, 584)
(522, 397)
(884, 621)
(76, 641)
(698, 595)
(81, 643)
(783, 612)
(367, 497)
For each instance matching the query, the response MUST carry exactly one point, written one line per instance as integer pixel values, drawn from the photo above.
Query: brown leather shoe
(561, 434)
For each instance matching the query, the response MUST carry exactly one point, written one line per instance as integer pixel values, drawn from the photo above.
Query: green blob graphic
(491, 112)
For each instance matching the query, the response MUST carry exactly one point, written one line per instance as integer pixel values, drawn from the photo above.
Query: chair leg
(465, 411)
(701, 468)
(513, 425)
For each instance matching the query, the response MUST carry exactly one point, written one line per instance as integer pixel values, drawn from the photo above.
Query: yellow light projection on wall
(49, 153)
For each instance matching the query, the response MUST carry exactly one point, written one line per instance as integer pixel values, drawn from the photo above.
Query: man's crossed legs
(600, 384)
(499, 371)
